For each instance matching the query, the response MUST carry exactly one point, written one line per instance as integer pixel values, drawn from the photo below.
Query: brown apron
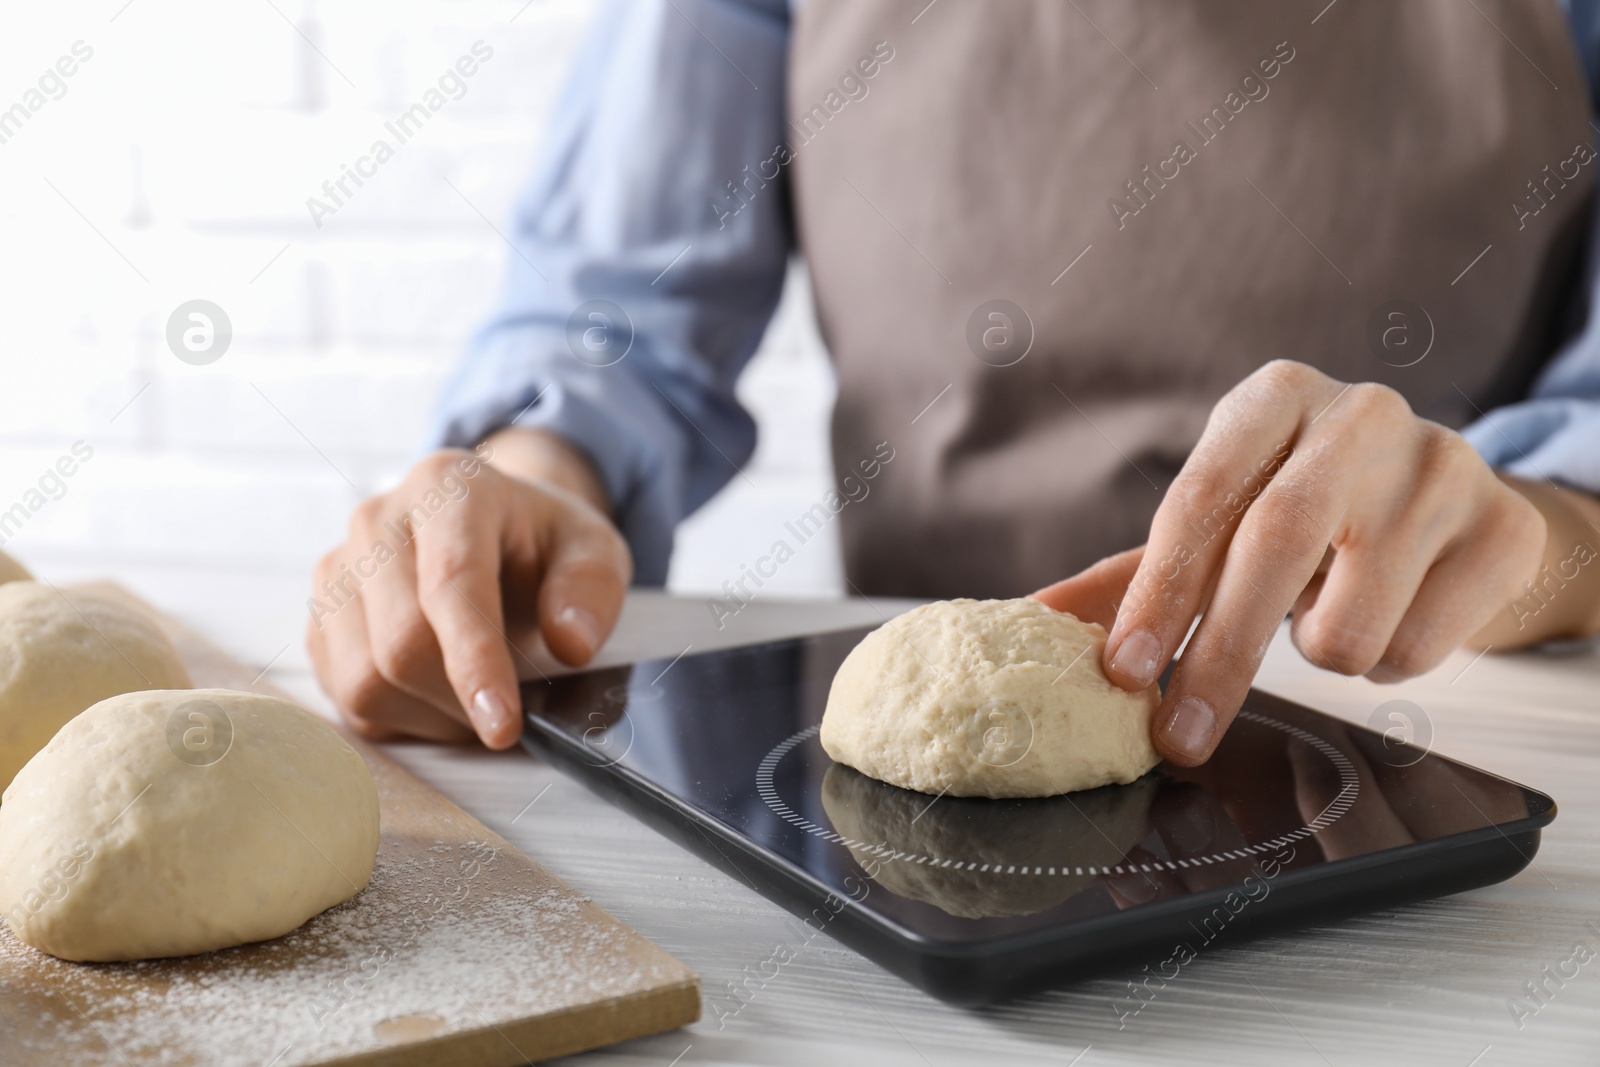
(1172, 194)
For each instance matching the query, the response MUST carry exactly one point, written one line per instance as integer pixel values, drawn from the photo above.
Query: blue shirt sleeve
(661, 193)
(1554, 434)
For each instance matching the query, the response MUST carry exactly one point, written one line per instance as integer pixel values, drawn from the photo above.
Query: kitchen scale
(1298, 818)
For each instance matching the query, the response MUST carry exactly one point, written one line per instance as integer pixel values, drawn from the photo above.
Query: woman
(1221, 278)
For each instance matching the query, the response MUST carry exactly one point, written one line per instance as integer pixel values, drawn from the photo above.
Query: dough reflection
(1090, 829)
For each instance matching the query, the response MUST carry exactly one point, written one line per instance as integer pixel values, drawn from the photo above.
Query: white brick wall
(190, 141)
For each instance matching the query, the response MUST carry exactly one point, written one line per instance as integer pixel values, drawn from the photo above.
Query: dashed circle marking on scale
(1349, 790)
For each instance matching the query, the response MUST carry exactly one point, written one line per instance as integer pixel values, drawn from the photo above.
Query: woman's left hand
(1385, 535)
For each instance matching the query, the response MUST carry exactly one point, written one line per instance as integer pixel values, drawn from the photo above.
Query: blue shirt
(669, 99)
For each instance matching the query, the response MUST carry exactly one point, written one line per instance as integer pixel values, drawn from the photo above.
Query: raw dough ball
(12, 571)
(1018, 857)
(61, 652)
(176, 822)
(987, 698)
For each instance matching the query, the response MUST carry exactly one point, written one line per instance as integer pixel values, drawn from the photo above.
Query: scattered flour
(437, 944)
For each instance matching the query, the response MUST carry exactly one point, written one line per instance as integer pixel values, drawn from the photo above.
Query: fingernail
(1138, 657)
(1190, 729)
(580, 624)
(489, 713)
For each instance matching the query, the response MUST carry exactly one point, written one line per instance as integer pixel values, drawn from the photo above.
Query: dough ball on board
(63, 651)
(987, 698)
(12, 571)
(176, 822)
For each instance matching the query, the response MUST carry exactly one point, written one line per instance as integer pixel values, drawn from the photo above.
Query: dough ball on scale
(987, 698)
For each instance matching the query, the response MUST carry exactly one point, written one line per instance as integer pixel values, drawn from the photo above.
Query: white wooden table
(1428, 983)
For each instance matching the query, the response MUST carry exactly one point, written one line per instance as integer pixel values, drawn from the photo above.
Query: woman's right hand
(415, 617)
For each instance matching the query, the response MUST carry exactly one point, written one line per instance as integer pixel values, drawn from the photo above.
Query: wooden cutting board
(462, 951)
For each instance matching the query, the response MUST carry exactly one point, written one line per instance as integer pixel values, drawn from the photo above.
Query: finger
(1211, 680)
(1395, 529)
(1278, 547)
(1093, 594)
(1270, 559)
(586, 579)
(1344, 619)
(375, 709)
(1246, 442)
(1357, 609)
(401, 640)
(458, 589)
(326, 666)
(1468, 584)
(1306, 602)
(1481, 573)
